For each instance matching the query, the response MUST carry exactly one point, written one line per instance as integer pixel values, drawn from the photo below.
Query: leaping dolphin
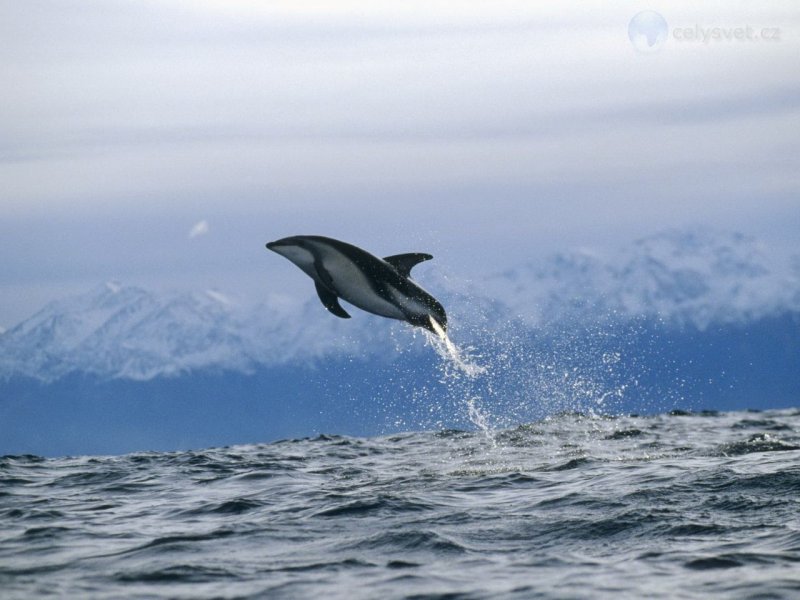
(381, 286)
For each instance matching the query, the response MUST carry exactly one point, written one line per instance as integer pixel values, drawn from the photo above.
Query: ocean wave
(575, 505)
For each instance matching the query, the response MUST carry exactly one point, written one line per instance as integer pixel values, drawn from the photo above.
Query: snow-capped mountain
(127, 332)
(694, 278)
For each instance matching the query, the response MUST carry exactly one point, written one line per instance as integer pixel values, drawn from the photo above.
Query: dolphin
(381, 286)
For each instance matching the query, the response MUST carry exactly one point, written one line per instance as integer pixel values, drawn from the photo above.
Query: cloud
(200, 228)
(228, 101)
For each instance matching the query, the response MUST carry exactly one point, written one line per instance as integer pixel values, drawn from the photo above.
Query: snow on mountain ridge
(126, 332)
(686, 278)
(694, 277)
(704, 277)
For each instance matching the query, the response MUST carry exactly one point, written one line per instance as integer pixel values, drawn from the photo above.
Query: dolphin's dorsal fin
(405, 262)
(330, 301)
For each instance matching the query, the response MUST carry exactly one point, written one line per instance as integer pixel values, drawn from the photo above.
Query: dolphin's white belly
(301, 257)
(353, 286)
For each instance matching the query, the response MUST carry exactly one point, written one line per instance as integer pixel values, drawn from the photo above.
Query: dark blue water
(675, 506)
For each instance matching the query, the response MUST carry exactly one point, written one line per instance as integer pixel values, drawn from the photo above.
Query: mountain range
(676, 317)
(679, 278)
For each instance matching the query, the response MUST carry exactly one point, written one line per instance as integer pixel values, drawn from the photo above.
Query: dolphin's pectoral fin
(330, 301)
(322, 273)
(405, 262)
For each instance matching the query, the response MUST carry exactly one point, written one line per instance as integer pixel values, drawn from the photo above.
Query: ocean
(680, 505)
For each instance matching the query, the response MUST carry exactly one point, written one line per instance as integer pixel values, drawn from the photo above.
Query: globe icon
(647, 31)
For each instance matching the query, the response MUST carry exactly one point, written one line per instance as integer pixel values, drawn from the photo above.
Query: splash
(447, 350)
(480, 418)
(462, 363)
(517, 379)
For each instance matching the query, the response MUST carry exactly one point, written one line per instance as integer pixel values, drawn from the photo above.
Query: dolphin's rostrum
(381, 286)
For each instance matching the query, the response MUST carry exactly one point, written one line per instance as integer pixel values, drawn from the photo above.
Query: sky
(162, 143)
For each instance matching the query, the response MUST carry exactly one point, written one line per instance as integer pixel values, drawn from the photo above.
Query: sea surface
(680, 505)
